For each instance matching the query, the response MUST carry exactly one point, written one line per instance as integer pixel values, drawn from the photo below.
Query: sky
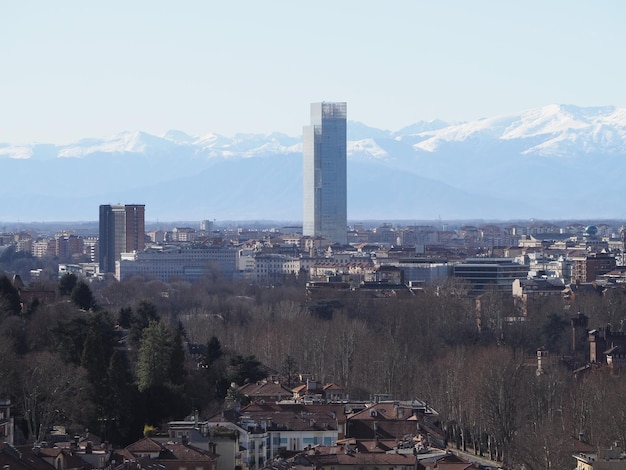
(74, 69)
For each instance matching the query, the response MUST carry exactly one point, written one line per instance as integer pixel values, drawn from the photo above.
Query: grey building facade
(122, 230)
(324, 176)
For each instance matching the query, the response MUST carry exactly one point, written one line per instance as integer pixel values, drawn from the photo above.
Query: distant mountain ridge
(555, 162)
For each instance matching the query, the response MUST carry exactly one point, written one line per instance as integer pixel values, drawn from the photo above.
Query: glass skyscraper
(324, 175)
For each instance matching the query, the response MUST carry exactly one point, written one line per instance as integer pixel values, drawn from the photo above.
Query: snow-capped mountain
(558, 161)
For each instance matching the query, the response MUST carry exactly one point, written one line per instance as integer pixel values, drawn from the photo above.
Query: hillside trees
(432, 346)
(9, 297)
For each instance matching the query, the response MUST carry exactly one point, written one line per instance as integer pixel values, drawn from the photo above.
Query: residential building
(122, 230)
(42, 248)
(265, 391)
(149, 454)
(182, 234)
(274, 267)
(88, 271)
(6, 422)
(379, 427)
(67, 245)
(603, 459)
(604, 342)
(587, 267)
(264, 431)
(528, 290)
(340, 458)
(324, 149)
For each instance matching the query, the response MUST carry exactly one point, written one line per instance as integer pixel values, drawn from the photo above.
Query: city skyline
(77, 71)
(522, 166)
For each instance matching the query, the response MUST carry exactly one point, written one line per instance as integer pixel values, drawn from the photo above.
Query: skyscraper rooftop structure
(324, 175)
(122, 230)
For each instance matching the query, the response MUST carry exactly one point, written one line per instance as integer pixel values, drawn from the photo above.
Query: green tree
(178, 371)
(123, 416)
(82, 296)
(66, 284)
(213, 352)
(93, 358)
(125, 317)
(153, 364)
(146, 313)
(68, 338)
(552, 333)
(10, 303)
(245, 369)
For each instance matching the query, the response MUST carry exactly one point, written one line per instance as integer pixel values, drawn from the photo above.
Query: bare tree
(52, 392)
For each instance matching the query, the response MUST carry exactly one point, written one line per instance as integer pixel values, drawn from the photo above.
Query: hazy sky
(72, 69)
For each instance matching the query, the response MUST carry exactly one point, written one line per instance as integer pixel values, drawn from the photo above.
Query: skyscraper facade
(324, 175)
(122, 230)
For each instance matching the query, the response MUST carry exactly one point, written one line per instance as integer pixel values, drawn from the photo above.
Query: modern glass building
(122, 230)
(324, 176)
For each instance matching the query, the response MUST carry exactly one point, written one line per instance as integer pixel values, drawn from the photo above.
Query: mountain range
(553, 162)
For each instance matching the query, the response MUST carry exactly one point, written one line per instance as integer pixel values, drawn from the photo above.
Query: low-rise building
(604, 459)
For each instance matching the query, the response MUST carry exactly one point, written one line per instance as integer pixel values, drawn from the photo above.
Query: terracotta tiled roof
(332, 387)
(265, 390)
(144, 445)
(187, 453)
(23, 456)
(362, 458)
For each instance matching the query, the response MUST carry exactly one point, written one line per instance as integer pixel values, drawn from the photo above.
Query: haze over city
(76, 70)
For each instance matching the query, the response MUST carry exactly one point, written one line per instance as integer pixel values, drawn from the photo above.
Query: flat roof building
(122, 229)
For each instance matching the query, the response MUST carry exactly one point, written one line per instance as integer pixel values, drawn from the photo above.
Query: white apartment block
(186, 263)
(272, 267)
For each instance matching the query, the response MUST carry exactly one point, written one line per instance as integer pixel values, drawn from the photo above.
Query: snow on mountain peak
(367, 147)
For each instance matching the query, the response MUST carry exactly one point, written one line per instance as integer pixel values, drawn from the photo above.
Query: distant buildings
(325, 173)
(122, 230)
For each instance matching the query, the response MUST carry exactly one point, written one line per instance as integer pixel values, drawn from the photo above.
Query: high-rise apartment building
(324, 175)
(122, 230)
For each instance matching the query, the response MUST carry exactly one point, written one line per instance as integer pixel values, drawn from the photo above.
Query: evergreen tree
(125, 417)
(10, 303)
(177, 360)
(66, 284)
(125, 317)
(146, 313)
(68, 338)
(153, 364)
(213, 352)
(82, 296)
(245, 369)
(93, 358)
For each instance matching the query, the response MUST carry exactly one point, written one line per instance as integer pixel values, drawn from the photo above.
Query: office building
(496, 274)
(189, 264)
(122, 230)
(324, 174)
